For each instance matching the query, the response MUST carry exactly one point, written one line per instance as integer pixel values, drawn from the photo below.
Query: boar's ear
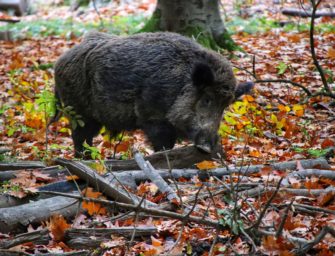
(202, 75)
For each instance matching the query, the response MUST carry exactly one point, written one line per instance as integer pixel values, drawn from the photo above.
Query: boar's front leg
(161, 134)
(85, 133)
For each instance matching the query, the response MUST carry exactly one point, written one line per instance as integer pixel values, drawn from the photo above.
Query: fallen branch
(184, 157)
(306, 14)
(100, 184)
(131, 178)
(305, 248)
(294, 240)
(92, 237)
(151, 211)
(257, 191)
(60, 186)
(310, 208)
(39, 237)
(52, 171)
(5, 252)
(9, 201)
(315, 209)
(154, 176)
(19, 253)
(330, 174)
(9, 166)
(16, 219)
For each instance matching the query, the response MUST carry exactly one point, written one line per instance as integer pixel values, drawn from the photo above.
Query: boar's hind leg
(82, 134)
(162, 135)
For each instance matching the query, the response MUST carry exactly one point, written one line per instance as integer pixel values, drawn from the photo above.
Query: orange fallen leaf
(122, 147)
(331, 53)
(155, 242)
(248, 98)
(294, 38)
(298, 110)
(72, 177)
(254, 153)
(57, 227)
(284, 108)
(92, 207)
(204, 165)
(326, 198)
(150, 252)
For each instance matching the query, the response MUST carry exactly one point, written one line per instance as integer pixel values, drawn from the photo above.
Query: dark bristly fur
(163, 83)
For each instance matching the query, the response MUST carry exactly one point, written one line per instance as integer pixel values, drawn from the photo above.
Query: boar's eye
(206, 101)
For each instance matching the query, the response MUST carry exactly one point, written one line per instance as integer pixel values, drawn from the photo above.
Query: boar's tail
(58, 112)
(243, 88)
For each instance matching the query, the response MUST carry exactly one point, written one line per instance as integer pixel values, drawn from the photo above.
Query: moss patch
(206, 39)
(201, 36)
(226, 42)
(153, 23)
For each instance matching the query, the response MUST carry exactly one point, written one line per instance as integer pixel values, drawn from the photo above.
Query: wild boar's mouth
(205, 148)
(204, 140)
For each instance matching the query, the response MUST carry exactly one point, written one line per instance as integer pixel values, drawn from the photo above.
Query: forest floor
(277, 122)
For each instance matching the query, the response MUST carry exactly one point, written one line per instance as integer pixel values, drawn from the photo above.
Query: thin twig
(99, 14)
(305, 248)
(117, 144)
(286, 82)
(314, 57)
(135, 221)
(211, 251)
(152, 211)
(261, 215)
(282, 223)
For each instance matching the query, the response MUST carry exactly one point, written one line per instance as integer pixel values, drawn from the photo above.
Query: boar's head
(197, 111)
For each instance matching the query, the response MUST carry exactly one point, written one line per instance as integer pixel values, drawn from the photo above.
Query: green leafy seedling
(282, 67)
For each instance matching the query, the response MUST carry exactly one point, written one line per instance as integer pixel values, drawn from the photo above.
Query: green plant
(282, 67)
(6, 187)
(75, 120)
(38, 153)
(3, 108)
(42, 66)
(312, 152)
(251, 25)
(329, 74)
(94, 152)
(68, 28)
(46, 102)
(228, 220)
(11, 129)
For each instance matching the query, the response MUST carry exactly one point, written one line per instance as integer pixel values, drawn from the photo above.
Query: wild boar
(163, 83)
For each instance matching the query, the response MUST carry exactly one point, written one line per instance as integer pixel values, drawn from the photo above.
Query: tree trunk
(195, 18)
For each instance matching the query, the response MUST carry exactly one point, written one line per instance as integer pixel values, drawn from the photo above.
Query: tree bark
(200, 19)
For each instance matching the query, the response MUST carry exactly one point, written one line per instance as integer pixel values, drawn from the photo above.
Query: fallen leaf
(92, 207)
(57, 227)
(204, 165)
(72, 177)
(331, 53)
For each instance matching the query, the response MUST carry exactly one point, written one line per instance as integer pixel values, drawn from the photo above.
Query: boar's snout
(207, 141)
(243, 88)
